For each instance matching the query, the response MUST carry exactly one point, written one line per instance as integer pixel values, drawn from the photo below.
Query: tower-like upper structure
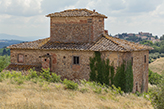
(76, 26)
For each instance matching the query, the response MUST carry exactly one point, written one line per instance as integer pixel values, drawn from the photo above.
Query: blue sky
(26, 18)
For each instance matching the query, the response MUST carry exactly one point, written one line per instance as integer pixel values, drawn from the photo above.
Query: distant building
(145, 34)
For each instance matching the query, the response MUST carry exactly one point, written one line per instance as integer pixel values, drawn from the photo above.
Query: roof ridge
(76, 13)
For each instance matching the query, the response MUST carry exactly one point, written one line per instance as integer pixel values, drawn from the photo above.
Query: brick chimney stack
(106, 31)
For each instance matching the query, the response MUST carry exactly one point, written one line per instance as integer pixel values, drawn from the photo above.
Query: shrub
(4, 62)
(45, 74)
(117, 90)
(55, 78)
(70, 84)
(157, 95)
(154, 78)
(97, 90)
(32, 74)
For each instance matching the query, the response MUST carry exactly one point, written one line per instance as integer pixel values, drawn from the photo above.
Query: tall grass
(34, 91)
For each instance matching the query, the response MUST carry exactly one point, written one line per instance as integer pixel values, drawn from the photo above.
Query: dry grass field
(44, 95)
(157, 65)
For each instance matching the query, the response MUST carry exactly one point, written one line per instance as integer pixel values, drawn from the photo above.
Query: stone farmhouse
(74, 37)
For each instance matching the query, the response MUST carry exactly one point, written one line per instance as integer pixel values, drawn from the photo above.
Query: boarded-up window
(20, 58)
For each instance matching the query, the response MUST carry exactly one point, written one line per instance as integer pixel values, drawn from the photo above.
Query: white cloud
(27, 17)
(21, 7)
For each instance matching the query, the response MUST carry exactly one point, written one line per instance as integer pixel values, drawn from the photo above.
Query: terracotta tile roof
(128, 46)
(30, 45)
(76, 13)
(105, 43)
(22, 67)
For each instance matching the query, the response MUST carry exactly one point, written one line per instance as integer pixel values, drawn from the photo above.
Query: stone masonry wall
(76, 29)
(140, 68)
(62, 63)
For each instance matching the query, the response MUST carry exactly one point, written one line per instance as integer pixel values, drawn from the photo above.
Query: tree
(101, 71)
(4, 52)
(124, 77)
(162, 37)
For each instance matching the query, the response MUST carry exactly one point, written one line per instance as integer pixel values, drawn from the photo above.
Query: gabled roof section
(127, 45)
(104, 43)
(76, 13)
(30, 45)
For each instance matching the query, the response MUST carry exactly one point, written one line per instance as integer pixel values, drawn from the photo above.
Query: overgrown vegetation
(124, 77)
(33, 91)
(157, 95)
(4, 62)
(154, 78)
(102, 72)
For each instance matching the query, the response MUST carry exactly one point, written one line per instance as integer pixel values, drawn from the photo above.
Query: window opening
(145, 58)
(89, 20)
(132, 61)
(136, 86)
(76, 60)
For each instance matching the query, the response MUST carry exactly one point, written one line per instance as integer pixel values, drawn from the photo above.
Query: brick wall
(76, 29)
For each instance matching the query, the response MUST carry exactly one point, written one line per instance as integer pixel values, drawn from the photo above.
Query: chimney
(106, 31)
(93, 10)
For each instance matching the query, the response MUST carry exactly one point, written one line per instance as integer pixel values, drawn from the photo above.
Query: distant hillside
(157, 65)
(138, 37)
(4, 42)
(12, 37)
(15, 37)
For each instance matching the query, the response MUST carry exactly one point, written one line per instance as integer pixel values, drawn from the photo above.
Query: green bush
(70, 84)
(97, 90)
(117, 90)
(45, 74)
(32, 74)
(154, 78)
(55, 78)
(4, 62)
(157, 95)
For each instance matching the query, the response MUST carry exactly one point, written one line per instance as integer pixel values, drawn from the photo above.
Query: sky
(26, 18)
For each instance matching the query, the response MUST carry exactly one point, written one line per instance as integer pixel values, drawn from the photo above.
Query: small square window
(145, 58)
(75, 59)
(89, 20)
